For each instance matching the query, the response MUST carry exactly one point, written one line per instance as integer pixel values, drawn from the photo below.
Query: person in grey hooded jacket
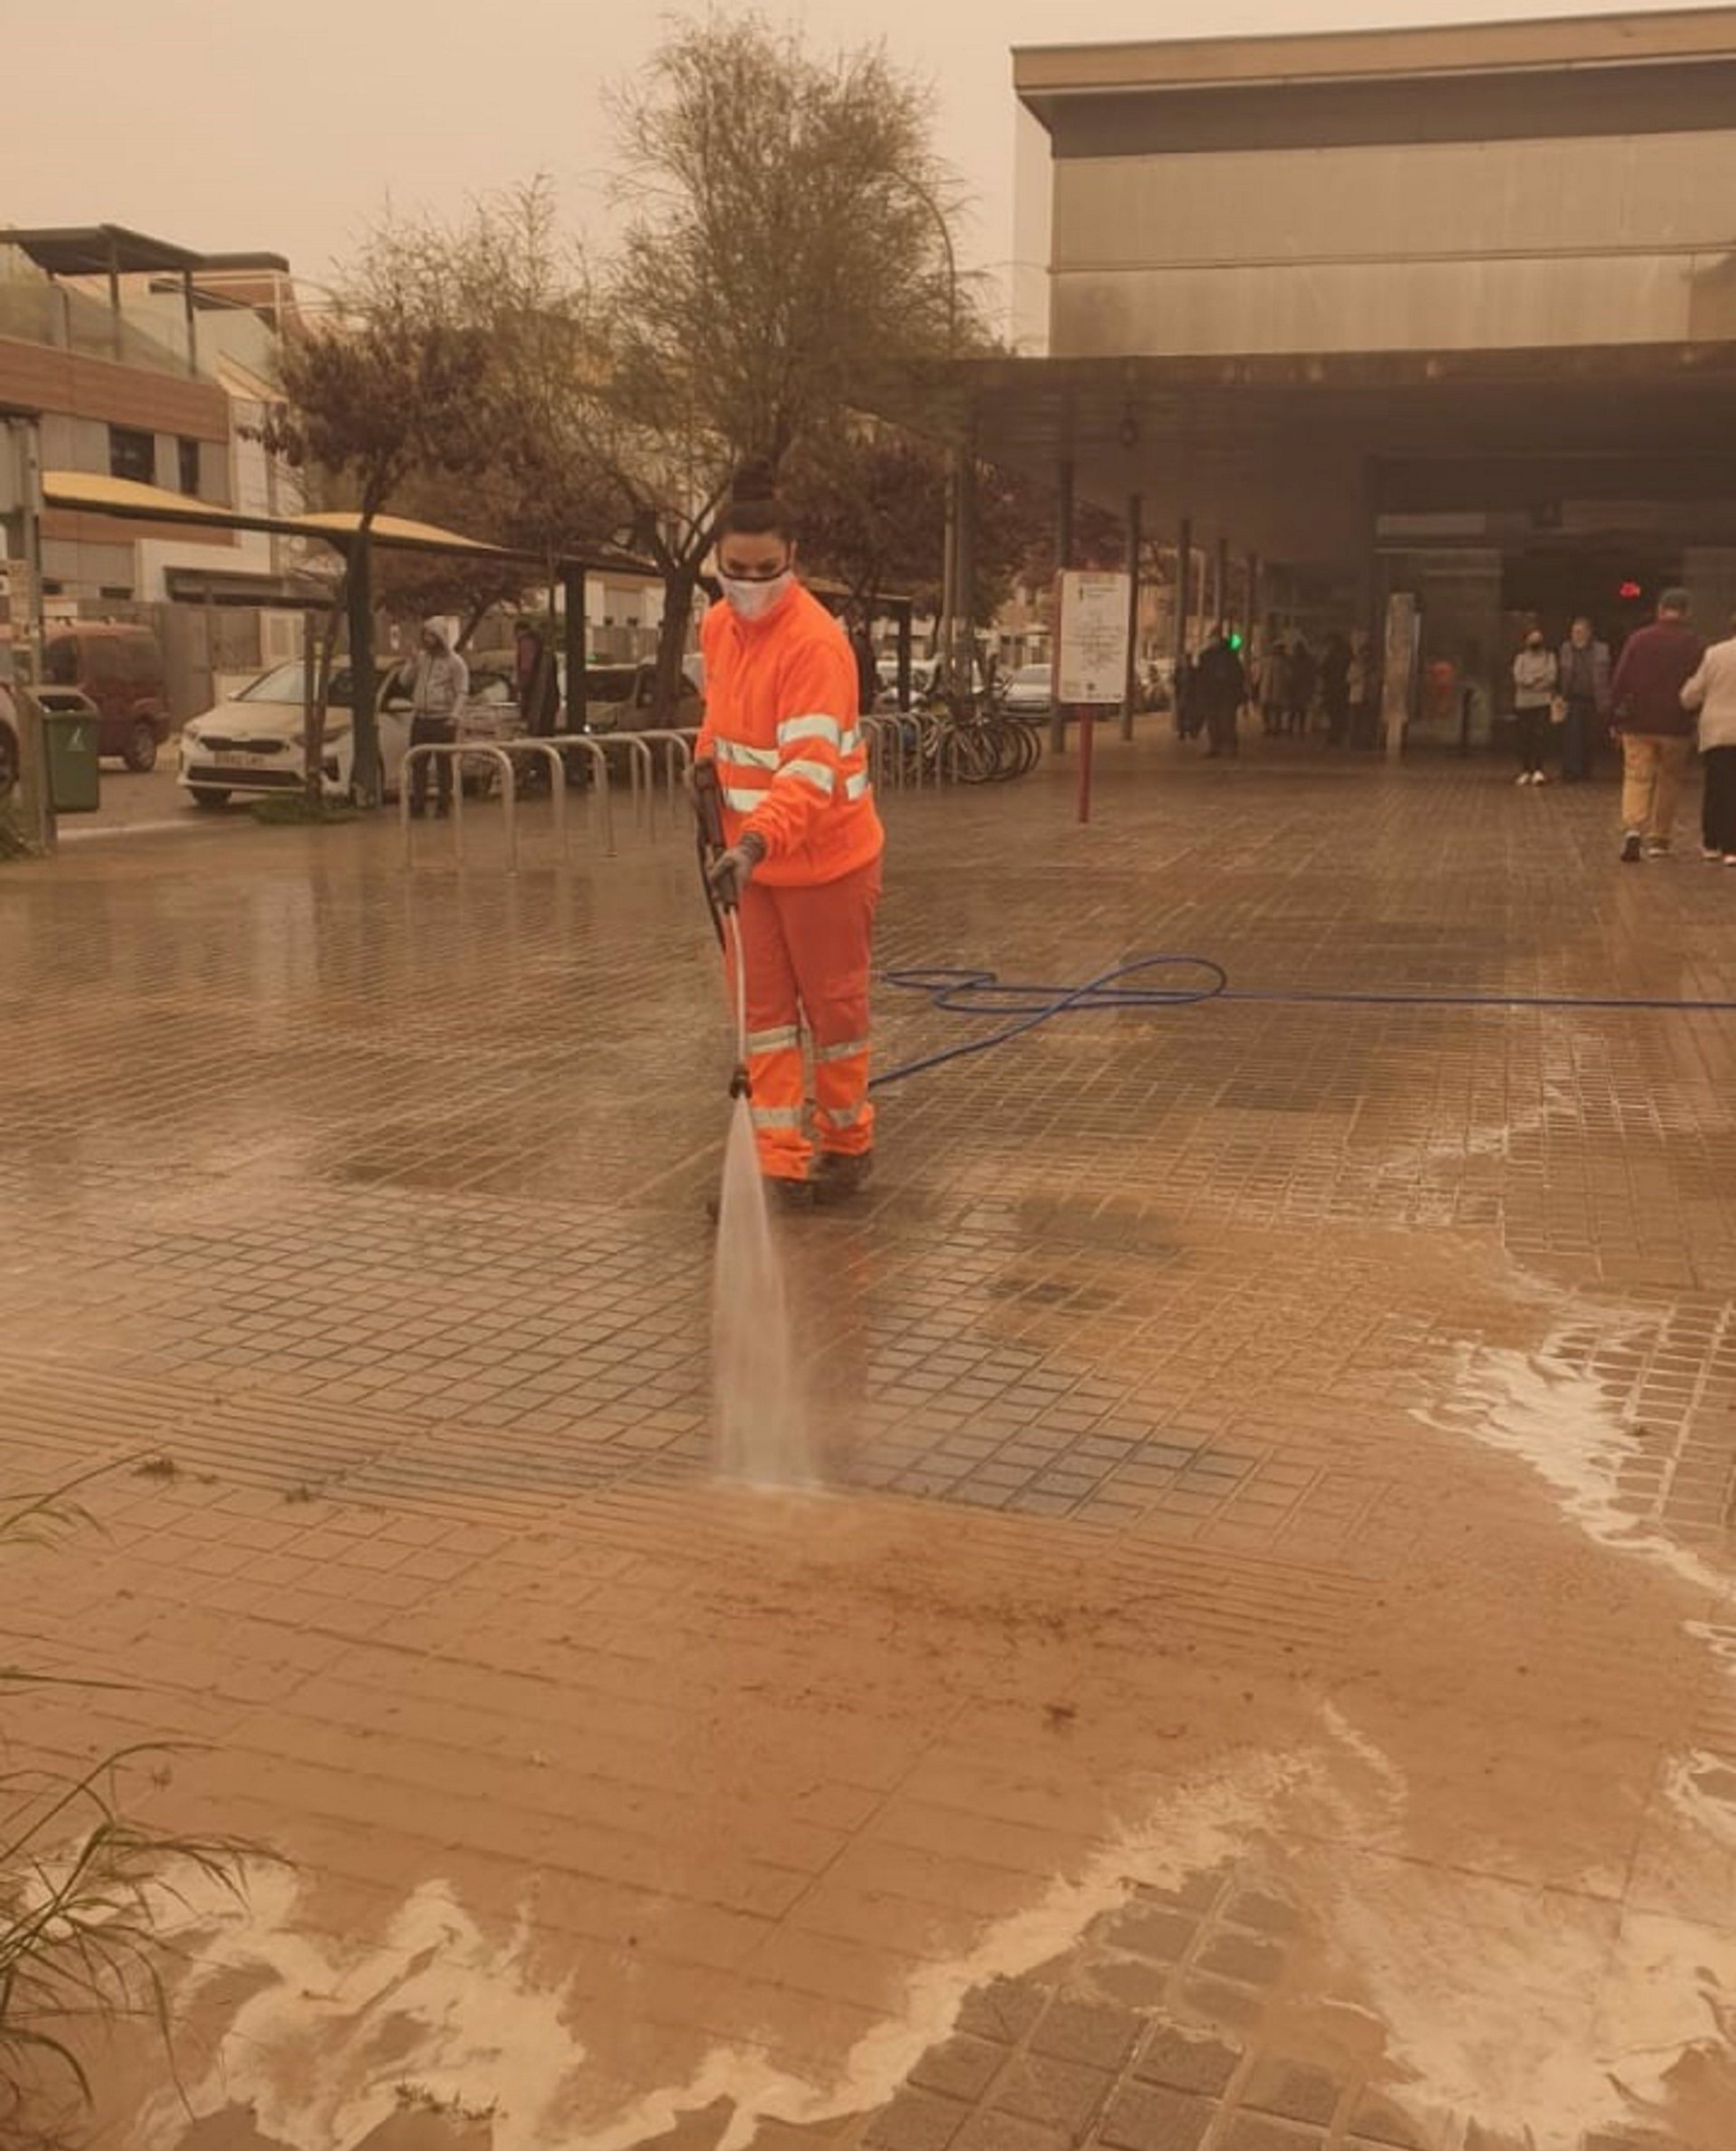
(439, 681)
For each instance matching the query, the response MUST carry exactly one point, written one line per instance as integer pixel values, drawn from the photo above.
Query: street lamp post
(954, 601)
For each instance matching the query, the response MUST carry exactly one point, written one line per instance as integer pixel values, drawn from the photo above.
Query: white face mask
(754, 600)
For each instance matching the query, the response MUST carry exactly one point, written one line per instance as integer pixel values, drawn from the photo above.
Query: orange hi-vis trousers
(807, 953)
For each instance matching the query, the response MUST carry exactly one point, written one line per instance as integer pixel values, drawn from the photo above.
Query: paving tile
(1147, 2117)
(1053, 2093)
(1088, 2033)
(1376, 2120)
(1293, 2090)
(915, 2121)
(1006, 2132)
(1004, 2010)
(963, 2067)
(1254, 2131)
(1187, 2061)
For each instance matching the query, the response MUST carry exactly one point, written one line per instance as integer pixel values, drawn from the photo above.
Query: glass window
(287, 683)
(132, 455)
(188, 452)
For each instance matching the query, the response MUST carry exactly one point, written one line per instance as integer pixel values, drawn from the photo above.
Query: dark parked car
(121, 668)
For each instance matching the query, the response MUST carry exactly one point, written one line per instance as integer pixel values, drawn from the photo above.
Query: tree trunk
(317, 693)
(679, 585)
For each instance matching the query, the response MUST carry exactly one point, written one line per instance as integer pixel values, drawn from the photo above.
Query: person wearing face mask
(1535, 673)
(803, 847)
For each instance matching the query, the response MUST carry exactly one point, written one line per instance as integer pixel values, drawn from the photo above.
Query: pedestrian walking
(1712, 693)
(1274, 687)
(1655, 730)
(1364, 688)
(1303, 677)
(1534, 675)
(804, 846)
(439, 682)
(1221, 685)
(1187, 701)
(1335, 690)
(1582, 689)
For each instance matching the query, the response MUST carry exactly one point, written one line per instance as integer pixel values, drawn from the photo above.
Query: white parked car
(1030, 691)
(251, 742)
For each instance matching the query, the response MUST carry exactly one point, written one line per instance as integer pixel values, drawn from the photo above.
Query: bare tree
(789, 237)
(393, 385)
(871, 501)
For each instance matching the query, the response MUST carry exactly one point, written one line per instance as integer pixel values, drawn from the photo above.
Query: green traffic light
(1235, 642)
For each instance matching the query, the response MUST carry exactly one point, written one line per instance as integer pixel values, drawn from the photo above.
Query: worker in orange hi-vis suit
(803, 842)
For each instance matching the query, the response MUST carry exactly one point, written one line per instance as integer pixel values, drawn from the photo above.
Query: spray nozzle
(739, 1085)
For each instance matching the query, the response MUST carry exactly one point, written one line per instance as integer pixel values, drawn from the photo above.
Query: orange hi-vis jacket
(781, 711)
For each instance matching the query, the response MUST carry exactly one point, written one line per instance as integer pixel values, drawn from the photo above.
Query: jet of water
(761, 1428)
(761, 1425)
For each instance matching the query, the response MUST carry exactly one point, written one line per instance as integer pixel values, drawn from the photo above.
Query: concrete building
(1449, 313)
(131, 358)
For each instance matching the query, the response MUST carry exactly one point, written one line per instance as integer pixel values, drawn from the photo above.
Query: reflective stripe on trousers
(807, 953)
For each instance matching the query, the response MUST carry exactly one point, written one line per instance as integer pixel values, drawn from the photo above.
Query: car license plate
(252, 761)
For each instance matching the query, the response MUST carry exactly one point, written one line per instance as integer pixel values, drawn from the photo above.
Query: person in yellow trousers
(803, 848)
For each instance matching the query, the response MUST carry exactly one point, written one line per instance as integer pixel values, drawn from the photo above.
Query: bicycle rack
(557, 782)
(587, 743)
(876, 728)
(927, 727)
(677, 761)
(642, 774)
(455, 751)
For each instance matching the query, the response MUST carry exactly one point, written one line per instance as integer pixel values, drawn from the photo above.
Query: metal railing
(678, 758)
(586, 743)
(431, 751)
(642, 775)
(907, 750)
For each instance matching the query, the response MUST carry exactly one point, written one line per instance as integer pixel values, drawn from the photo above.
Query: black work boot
(838, 1178)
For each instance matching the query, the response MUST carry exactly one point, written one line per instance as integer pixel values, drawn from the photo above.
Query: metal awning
(111, 249)
(93, 493)
(1218, 434)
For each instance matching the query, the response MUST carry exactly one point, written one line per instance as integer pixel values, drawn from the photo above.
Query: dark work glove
(729, 872)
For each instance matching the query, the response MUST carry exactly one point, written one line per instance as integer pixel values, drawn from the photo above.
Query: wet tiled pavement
(1266, 1682)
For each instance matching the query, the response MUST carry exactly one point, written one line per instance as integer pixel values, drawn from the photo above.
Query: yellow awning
(91, 492)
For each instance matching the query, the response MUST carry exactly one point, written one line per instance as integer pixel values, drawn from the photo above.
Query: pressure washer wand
(726, 922)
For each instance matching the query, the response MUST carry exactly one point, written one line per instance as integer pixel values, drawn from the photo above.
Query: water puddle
(1557, 1417)
(322, 2049)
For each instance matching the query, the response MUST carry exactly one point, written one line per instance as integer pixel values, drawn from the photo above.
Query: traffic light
(1235, 638)
(1630, 590)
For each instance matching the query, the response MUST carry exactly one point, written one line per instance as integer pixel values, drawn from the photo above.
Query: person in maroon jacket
(1656, 732)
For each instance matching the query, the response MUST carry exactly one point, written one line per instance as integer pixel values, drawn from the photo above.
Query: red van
(121, 669)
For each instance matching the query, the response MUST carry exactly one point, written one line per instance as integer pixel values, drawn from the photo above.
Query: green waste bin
(69, 740)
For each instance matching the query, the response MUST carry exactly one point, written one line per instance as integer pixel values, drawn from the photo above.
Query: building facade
(1448, 312)
(128, 357)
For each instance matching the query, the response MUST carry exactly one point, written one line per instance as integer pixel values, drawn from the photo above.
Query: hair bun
(755, 480)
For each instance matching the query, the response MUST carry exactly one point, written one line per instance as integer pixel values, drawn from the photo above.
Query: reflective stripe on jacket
(780, 723)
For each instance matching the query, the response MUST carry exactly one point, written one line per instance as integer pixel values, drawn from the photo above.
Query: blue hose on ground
(970, 992)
